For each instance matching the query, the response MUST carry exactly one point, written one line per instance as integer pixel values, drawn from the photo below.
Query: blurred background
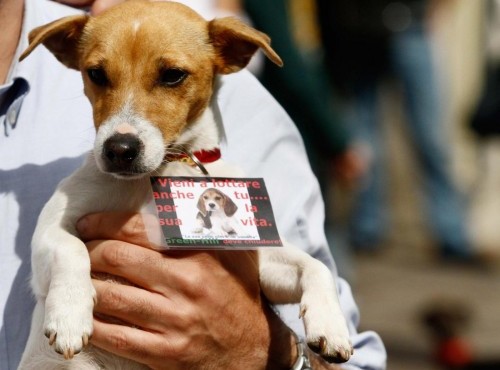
(399, 106)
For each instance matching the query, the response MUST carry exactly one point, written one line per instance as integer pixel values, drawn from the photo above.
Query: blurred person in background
(365, 42)
(484, 123)
(301, 86)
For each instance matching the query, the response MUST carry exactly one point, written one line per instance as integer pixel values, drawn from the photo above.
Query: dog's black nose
(120, 152)
(211, 205)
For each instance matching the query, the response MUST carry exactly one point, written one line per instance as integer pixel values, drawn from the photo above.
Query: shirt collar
(17, 85)
(11, 99)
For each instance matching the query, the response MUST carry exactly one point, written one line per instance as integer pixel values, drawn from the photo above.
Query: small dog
(149, 70)
(216, 211)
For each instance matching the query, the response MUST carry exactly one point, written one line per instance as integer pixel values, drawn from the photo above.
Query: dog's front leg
(289, 275)
(61, 278)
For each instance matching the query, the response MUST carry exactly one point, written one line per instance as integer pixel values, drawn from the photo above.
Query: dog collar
(197, 158)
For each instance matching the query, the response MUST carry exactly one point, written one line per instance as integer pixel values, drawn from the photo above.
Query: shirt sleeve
(261, 138)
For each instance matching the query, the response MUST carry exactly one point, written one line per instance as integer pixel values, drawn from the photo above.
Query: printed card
(213, 212)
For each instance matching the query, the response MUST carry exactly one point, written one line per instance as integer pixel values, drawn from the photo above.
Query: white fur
(150, 136)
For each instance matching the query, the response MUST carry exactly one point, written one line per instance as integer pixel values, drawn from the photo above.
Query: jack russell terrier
(149, 70)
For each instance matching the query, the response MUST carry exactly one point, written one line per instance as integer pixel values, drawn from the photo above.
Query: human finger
(135, 306)
(124, 226)
(101, 5)
(129, 342)
(76, 3)
(152, 270)
(96, 6)
(140, 266)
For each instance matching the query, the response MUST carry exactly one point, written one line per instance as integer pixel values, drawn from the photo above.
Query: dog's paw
(69, 319)
(336, 349)
(326, 333)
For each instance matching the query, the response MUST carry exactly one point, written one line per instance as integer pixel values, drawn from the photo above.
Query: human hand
(184, 309)
(96, 6)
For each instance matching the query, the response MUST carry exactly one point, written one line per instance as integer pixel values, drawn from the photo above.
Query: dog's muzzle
(121, 154)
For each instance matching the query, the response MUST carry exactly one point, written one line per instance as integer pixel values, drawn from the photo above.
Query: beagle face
(213, 200)
(148, 70)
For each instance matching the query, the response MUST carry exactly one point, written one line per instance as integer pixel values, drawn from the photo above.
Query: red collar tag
(207, 156)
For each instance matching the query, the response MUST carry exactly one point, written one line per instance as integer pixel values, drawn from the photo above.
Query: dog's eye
(218, 198)
(205, 197)
(97, 76)
(172, 77)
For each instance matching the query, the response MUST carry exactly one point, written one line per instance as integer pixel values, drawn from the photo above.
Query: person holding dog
(217, 318)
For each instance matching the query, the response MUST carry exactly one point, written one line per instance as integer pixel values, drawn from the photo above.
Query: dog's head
(148, 70)
(212, 200)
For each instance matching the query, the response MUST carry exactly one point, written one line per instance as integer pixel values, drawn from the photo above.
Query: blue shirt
(46, 129)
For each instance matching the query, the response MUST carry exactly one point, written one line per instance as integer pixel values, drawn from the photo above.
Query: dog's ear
(201, 205)
(61, 37)
(236, 43)
(230, 207)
